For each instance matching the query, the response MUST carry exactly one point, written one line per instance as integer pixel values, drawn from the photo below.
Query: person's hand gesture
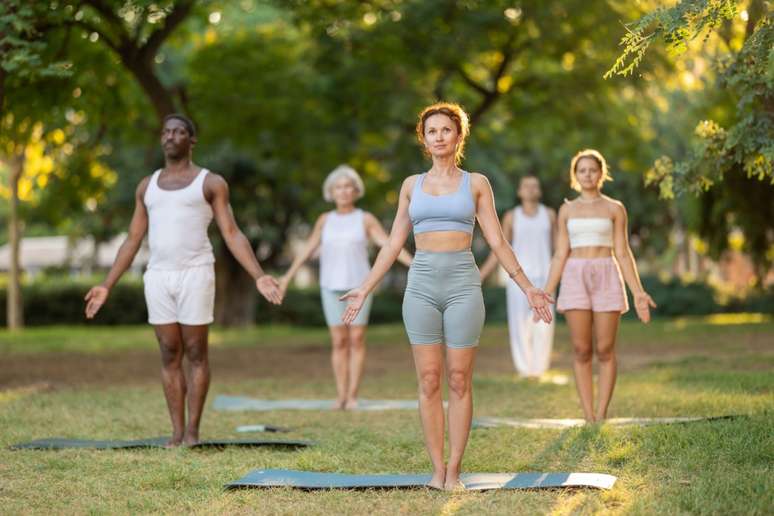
(95, 298)
(269, 288)
(642, 305)
(284, 282)
(356, 298)
(539, 301)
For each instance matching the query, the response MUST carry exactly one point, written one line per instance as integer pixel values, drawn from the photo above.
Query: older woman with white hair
(343, 235)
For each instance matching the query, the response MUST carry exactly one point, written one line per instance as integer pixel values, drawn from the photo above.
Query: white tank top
(343, 251)
(532, 241)
(590, 232)
(177, 225)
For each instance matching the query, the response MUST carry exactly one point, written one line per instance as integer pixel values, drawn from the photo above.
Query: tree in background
(730, 162)
(28, 86)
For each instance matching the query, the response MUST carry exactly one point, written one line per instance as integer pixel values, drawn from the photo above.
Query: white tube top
(590, 232)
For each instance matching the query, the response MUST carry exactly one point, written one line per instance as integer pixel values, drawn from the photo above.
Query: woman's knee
(459, 382)
(340, 340)
(357, 337)
(606, 353)
(430, 383)
(583, 354)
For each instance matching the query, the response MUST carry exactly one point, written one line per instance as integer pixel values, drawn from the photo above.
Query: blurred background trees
(283, 91)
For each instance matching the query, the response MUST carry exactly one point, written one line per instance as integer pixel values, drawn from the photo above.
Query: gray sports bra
(449, 212)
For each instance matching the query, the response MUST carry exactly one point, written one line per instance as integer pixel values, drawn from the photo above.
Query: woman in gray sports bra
(443, 302)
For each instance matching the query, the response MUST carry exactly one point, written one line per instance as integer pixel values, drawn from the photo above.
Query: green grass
(674, 368)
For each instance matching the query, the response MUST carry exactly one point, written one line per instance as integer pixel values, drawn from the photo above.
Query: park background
(679, 97)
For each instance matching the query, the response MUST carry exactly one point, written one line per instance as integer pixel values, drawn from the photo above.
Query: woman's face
(344, 192)
(441, 136)
(588, 173)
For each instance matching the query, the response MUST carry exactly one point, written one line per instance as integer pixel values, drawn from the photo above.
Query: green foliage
(677, 26)
(23, 49)
(729, 164)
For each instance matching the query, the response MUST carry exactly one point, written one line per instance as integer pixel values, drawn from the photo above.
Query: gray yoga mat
(496, 422)
(471, 481)
(242, 403)
(57, 443)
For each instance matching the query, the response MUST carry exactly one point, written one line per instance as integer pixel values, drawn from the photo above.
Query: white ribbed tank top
(590, 232)
(177, 225)
(343, 251)
(532, 241)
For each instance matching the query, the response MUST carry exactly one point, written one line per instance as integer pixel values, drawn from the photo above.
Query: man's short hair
(189, 125)
(529, 175)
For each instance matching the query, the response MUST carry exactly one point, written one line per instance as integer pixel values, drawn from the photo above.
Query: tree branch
(472, 83)
(107, 12)
(179, 13)
(491, 95)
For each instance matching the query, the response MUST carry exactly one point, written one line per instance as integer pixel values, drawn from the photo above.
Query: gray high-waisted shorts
(443, 301)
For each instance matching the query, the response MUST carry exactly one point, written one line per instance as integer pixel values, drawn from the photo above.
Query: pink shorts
(592, 284)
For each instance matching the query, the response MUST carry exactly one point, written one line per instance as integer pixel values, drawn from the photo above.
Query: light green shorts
(443, 302)
(334, 308)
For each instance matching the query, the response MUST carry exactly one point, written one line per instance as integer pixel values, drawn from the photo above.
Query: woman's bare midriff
(443, 241)
(591, 252)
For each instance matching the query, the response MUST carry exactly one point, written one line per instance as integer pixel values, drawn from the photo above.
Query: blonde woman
(592, 254)
(342, 235)
(443, 303)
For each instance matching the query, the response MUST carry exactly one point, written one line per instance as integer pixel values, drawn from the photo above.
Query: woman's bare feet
(341, 404)
(350, 404)
(452, 479)
(436, 482)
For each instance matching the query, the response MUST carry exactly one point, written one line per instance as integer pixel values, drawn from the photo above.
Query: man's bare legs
(170, 341)
(196, 351)
(175, 342)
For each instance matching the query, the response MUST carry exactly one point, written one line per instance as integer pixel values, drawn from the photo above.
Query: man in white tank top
(175, 206)
(531, 228)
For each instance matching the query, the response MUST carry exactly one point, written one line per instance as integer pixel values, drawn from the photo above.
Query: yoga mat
(239, 403)
(261, 428)
(496, 422)
(57, 443)
(471, 481)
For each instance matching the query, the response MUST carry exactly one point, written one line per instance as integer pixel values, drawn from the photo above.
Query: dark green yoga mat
(56, 443)
(471, 481)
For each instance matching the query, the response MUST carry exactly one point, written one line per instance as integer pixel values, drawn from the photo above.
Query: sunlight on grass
(717, 467)
(8, 395)
(731, 319)
(739, 318)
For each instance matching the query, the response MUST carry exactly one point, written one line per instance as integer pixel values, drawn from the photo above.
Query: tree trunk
(14, 307)
(159, 96)
(235, 293)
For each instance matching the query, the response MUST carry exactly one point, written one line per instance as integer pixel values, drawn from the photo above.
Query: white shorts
(185, 296)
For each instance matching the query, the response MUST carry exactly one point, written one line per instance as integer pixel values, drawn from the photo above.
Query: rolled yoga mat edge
(500, 422)
(58, 443)
(472, 481)
(244, 403)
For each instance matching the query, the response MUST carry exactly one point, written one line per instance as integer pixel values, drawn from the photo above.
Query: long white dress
(531, 341)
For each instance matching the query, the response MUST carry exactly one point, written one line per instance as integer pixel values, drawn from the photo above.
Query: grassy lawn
(680, 367)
